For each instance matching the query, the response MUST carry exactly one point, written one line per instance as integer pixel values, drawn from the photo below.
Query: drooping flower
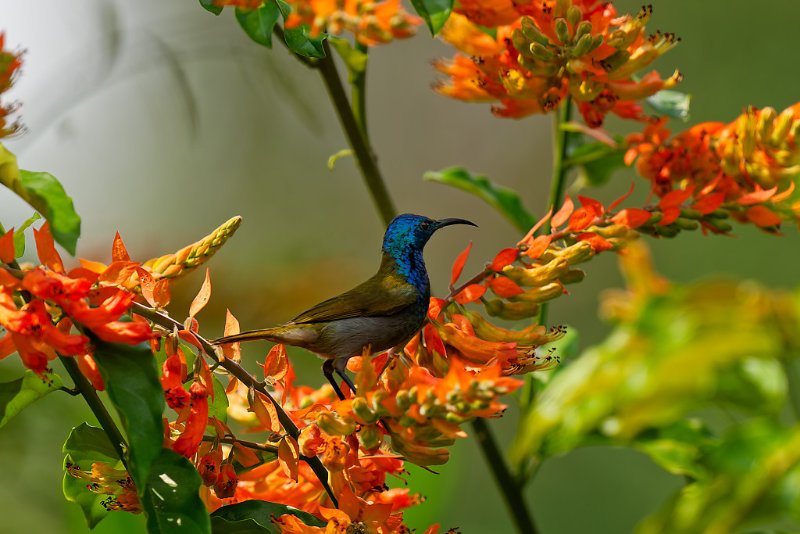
(106, 480)
(542, 51)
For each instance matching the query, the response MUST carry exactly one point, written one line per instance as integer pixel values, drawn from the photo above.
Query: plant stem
(245, 378)
(356, 137)
(243, 443)
(559, 173)
(509, 487)
(97, 407)
(358, 93)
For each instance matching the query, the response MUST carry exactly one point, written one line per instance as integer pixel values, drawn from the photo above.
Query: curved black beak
(441, 223)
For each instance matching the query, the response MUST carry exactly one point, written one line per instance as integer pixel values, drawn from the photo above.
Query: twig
(510, 488)
(249, 444)
(244, 377)
(97, 407)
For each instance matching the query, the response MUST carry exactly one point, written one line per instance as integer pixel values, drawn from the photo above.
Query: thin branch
(245, 378)
(97, 407)
(508, 485)
(357, 139)
(358, 92)
(249, 444)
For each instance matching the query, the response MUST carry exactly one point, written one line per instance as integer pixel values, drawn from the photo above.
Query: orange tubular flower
(544, 50)
(745, 167)
(196, 422)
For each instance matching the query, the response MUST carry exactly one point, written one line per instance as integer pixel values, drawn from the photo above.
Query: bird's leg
(327, 370)
(392, 354)
(340, 364)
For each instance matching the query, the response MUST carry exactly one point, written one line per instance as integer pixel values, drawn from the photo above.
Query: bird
(381, 313)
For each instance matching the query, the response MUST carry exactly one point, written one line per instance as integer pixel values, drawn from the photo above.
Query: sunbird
(382, 313)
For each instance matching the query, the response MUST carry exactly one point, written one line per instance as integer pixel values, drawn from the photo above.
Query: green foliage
(86, 445)
(355, 59)
(297, 39)
(19, 235)
(596, 161)
(672, 352)
(18, 394)
(255, 517)
(434, 12)
(753, 477)
(259, 23)
(46, 195)
(209, 6)
(673, 104)
(504, 200)
(131, 379)
(171, 497)
(218, 406)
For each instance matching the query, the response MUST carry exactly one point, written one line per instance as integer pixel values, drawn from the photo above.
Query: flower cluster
(10, 63)
(738, 167)
(41, 308)
(370, 22)
(106, 480)
(539, 52)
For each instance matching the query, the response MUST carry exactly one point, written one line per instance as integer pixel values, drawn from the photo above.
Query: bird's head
(408, 232)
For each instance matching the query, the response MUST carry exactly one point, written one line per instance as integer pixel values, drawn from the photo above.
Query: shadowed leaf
(18, 394)
(434, 12)
(255, 517)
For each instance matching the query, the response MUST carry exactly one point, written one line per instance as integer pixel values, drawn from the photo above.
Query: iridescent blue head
(406, 237)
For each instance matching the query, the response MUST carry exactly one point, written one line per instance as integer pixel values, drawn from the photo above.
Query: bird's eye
(425, 225)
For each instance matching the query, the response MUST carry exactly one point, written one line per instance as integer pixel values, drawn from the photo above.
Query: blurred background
(162, 121)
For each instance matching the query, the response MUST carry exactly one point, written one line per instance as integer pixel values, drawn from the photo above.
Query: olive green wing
(378, 296)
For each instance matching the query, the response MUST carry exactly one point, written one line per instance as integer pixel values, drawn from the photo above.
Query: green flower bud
(541, 52)
(532, 33)
(582, 46)
(584, 28)
(562, 31)
(574, 15)
(362, 409)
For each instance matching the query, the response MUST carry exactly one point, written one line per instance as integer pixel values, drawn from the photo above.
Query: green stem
(356, 137)
(358, 94)
(558, 177)
(97, 407)
(509, 487)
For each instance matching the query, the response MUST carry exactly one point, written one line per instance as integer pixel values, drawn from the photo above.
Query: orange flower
(544, 51)
(370, 22)
(196, 421)
(735, 167)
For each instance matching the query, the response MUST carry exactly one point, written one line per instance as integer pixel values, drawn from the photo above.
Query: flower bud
(541, 52)
(331, 424)
(686, 224)
(362, 410)
(562, 31)
(532, 33)
(574, 15)
(582, 46)
(521, 43)
(572, 276)
(584, 28)
(540, 294)
(511, 310)
(370, 437)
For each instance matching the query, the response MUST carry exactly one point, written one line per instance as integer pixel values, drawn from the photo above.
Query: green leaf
(674, 104)
(131, 379)
(255, 517)
(501, 198)
(258, 23)
(85, 446)
(171, 497)
(42, 191)
(18, 394)
(19, 235)
(434, 12)
(355, 59)
(209, 6)
(298, 39)
(596, 161)
(678, 447)
(219, 406)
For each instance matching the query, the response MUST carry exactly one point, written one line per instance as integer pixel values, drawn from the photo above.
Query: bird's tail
(289, 333)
